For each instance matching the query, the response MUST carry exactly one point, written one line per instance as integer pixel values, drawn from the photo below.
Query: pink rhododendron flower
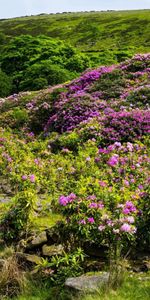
(24, 177)
(91, 220)
(32, 178)
(83, 222)
(125, 227)
(126, 182)
(130, 219)
(113, 161)
(93, 205)
(63, 200)
(129, 207)
(102, 183)
(101, 227)
(100, 205)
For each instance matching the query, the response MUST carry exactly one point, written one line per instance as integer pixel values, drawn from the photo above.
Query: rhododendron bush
(91, 161)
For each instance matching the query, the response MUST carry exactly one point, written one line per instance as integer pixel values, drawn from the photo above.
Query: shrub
(5, 84)
(15, 223)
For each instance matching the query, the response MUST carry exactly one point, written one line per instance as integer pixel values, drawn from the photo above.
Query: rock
(140, 268)
(52, 250)
(37, 241)
(28, 260)
(35, 259)
(87, 283)
(147, 263)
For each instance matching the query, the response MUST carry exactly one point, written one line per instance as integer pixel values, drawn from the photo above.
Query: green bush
(5, 84)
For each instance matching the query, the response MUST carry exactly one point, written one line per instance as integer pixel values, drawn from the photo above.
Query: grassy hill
(74, 157)
(31, 47)
(90, 31)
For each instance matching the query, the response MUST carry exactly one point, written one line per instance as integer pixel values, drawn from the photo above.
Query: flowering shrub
(96, 160)
(89, 219)
(126, 126)
(104, 90)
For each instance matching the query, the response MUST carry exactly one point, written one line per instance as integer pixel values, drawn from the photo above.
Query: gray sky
(14, 8)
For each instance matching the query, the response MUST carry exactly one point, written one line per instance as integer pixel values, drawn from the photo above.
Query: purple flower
(83, 222)
(32, 178)
(129, 207)
(24, 177)
(117, 144)
(113, 161)
(140, 186)
(71, 197)
(93, 205)
(125, 227)
(110, 223)
(100, 205)
(91, 220)
(126, 182)
(31, 134)
(126, 211)
(63, 200)
(130, 219)
(102, 183)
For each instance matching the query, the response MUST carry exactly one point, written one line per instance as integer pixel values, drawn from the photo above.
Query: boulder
(27, 260)
(52, 250)
(37, 241)
(87, 283)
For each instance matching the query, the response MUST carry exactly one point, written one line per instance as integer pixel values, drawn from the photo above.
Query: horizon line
(69, 12)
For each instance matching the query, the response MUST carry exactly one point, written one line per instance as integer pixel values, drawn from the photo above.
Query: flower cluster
(89, 97)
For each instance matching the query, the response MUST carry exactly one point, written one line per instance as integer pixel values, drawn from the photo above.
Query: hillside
(89, 31)
(75, 167)
(45, 50)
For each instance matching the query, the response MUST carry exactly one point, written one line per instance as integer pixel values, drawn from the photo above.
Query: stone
(87, 282)
(38, 241)
(52, 250)
(147, 263)
(140, 268)
(28, 260)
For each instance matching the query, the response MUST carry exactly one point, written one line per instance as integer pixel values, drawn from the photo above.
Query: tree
(5, 84)
(26, 58)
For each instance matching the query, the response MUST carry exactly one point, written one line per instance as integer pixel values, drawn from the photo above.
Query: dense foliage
(35, 62)
(39, 51)
(92, 156)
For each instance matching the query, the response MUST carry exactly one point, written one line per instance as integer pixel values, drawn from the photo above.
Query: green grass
(91, 32)
(134, 288)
